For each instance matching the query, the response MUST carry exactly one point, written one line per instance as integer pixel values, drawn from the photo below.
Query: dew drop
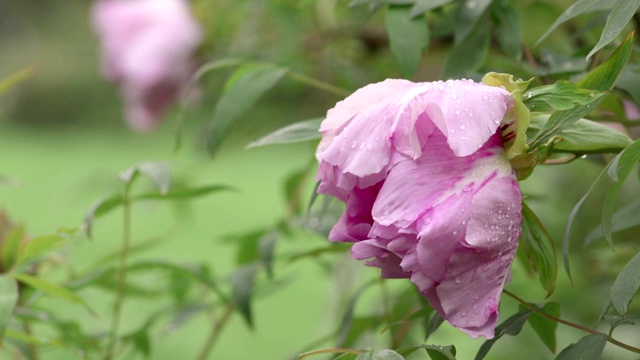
(462, 127)
(455, 232)
(362, 146)
(475, 307)
(496, 121)
(458, 101)
(454, 96)
(354, 144)
(451, 131)
(470, 114)
(457, 112)
(457, 280)
(466, 188)
(441, 88)
(484, 97)
(463, 314)
(592, 94)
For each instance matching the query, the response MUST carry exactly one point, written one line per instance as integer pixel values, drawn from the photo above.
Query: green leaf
(422, 6)
(51, 289)
(437, 352)
(626, 286)
(469, 54)
(538, 246)
(588, 348)
(296, 132)
(577, 8)
(605, 75)
(241, 92)
(620, 15)
(562, 95)
(347, 317)
(242, 281)
(511, 326)
(508, 30)
(385, 354)
(38, 246)
(545, 328)
(625, 218)
(11, 247)
(266, 249)
(433, 325)
(407, 37)
(158, 172)
(8, 301)
(585, 137)
(469, 15)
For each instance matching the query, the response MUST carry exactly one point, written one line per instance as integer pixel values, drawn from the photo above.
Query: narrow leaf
(422, 6)
(11, 247)
(626, 286)
(561, 95)
(242, 280)
(8, 301)
(386, 354)
(577, 8)
(469, 15)
(625, 218)
(605, 75)
(433, 325)
(407, 37)
(545, 328)
(588, 348)
(50, 289)
(297, 132)
(38, 246)
(620, 15)
(469, 54)
(241, 92)
(508, 30)
(539, 247)
(435, 352)
(511, 326)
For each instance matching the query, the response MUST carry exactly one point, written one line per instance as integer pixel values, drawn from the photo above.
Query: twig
(215, 332)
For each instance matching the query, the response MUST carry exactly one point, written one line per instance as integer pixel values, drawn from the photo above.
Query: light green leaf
(296, 132)
(469, 54)
(242, 280)
(585, 137)
(617, 20)
(508, 30)
(577, 8)
(386, 354)
(243, 89)
(8, 301)
(562, 95)
(422, 6)
(407, 37)
(588, 348)
(511, 326)
(50, 289)
(626, 286)
(435, 352)
(38, 246)
(538, 246)
(469, 15)
(11, 247)
(605, 75)
(545, 328)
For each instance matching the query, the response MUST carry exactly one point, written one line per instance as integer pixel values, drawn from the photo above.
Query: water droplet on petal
(470, 114)
(462, 127)
(457, 280)
(466, 188)
(362, 145)
(354, 144)
(454, 96)
(457, 112)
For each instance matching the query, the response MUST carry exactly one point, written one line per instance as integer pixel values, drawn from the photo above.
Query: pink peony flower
(430, 194)
(147, 48)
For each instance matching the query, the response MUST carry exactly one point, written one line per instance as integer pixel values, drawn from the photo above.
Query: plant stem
(328, 351)
(569, 323)
(122, 276)
(318, 84)
(215, 332)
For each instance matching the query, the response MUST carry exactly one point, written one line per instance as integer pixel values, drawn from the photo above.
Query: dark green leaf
(38, 246)
(605, 75)
(469, 54)
(296, 132)
(626, 286)
(577, 8)
(468, 17)
(538, 245)
(507, 28)
(101, 207)
(585, 137)
(8, 301)
(434, 323)
(50, 288)
(437, 352)
(562, 95)
(141, 342)
(588, 348)
(242, 280)
(421, 6)
(407, 37)
(625, 218)
(11, 247)
(511, 326)
(266, 248)
(241, 92)
(545, 328)
(620, 15)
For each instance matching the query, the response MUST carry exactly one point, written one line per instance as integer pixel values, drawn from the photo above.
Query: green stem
(328, 351)
(122, 276)
(215, 332)
(569, 323)
(318, 84)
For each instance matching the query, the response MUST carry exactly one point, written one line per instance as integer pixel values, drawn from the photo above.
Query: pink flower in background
(147, 48)
(430, 194)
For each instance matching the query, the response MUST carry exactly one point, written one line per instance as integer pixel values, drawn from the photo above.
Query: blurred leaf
(38, 246)
(625, 218)
(605, 75)
(626, 285)
(266, 248)
(384, 354)
(437, 352)
(545, 328)
(141, 342)
(31, 339)
(158, 172)
(618, 320)
(469, 54)
(296, 132)
(511, 326)
(538, 245)
(508, 29)
(577, 8)
(11, 247)
(468, 17)
(346, 323)
(8, 301)
(629, 81)
(136, 248)
(241, 92)
(620, 15)
(51, 289)
(338, 248)
(433, 325)
(562, 95)
(242, 280)
(422, 6)
(407, 37)
(588, 348)
(16, 78)
(585, 137)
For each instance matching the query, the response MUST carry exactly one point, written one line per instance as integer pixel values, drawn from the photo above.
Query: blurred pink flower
(147, 48)
(429, 192)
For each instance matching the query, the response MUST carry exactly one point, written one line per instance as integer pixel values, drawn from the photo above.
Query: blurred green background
(63, 142)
